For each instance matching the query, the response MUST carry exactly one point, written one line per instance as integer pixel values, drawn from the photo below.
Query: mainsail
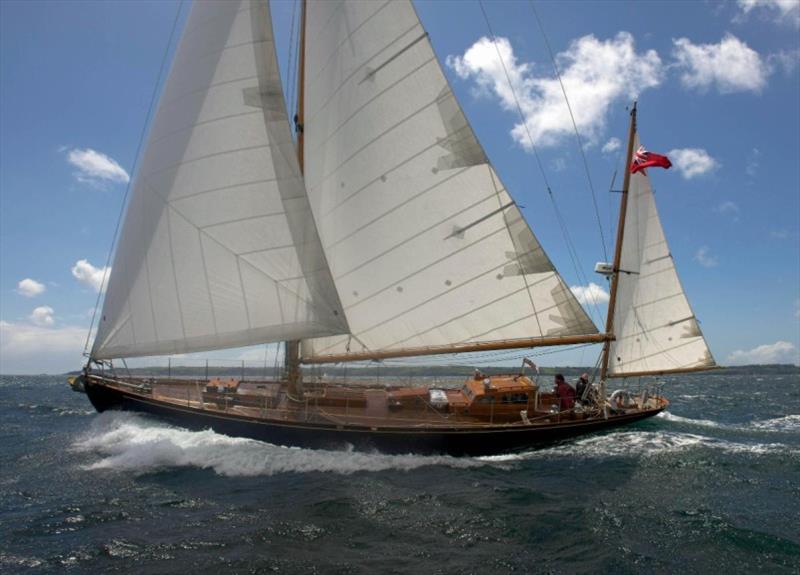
(425, 244)
(656, 330)
(218, 247)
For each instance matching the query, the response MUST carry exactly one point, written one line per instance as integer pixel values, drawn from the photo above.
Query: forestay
(218, 248)
(656, 330)
(425, 244)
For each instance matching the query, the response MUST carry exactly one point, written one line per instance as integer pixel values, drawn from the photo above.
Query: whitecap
(786, 423)
(129, 442)
(689, 421)
(642, 444)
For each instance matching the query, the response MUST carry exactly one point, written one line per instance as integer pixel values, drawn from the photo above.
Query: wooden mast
(623, 206)
(292, 356)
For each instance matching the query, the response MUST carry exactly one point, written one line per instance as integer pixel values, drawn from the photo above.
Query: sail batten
(219, 248)
(426, 246)
(656, 330)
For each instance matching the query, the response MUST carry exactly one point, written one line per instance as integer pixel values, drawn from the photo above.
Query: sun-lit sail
(218, 248)
(656, 330)
(425, 244)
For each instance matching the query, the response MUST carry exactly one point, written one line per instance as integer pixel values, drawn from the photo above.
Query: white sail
(425, 244)
(218, 247)
(656, 330)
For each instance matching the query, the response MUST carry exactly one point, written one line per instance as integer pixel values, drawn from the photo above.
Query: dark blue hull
(455, 441)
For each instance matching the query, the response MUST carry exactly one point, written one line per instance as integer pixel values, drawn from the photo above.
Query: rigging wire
(150, 107)
(575, 127)
(571, 250)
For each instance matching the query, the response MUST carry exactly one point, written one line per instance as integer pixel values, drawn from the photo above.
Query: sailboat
(380, 230)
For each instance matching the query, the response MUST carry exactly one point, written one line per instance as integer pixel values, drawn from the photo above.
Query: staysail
(218, 248)
(656, 330)
(425, 244)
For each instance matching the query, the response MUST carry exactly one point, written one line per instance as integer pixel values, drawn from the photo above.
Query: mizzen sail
(656, 330)
(425, 244)
(218, 248)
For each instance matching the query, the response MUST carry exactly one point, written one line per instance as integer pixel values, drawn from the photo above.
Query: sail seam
(220, 244)
(335, 51)
(371, 73)
(662, 351)
(452, 319)
(174, 272)
(447, 291)
(380, 136)
(367, 103)
(206, 157)
(378, 178)
(203, 123)
(241, 285)
(418, 235)
(356, 70)
(199, 57)
(224, 188)
(244, 219)
(397, 207)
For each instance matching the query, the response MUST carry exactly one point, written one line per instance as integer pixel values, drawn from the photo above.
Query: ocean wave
(643, 444)
(700, 422)
(788, 423)
(129, 442)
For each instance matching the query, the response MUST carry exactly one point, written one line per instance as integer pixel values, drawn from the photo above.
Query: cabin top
(498, 384)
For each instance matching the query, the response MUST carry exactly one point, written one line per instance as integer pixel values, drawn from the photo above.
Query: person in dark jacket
(564, 392)
(580, 387)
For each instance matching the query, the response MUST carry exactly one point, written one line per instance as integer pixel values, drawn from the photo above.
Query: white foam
(642, 444)
(700, 422)
(786, 423)
(128, 442)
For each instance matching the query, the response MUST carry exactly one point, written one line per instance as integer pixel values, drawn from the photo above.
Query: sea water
(710, 486)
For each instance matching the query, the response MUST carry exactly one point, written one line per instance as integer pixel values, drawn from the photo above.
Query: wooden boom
(459, 348)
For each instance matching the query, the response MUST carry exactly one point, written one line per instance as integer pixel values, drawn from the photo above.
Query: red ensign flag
(643, 159)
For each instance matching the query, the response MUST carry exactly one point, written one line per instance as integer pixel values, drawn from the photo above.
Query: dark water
(711, 487)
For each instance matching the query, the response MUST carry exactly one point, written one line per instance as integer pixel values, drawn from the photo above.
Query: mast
(292, 355)
(612, 304)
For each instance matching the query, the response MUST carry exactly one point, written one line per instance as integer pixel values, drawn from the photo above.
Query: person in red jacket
(564, 392)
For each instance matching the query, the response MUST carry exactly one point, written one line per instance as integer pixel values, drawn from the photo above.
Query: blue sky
(718, 88)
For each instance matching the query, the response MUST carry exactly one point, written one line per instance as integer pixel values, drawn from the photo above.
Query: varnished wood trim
(458, 348)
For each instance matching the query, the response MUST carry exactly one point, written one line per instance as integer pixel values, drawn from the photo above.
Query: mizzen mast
(618, 248)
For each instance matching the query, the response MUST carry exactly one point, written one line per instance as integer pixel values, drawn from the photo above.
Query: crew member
(564, 393)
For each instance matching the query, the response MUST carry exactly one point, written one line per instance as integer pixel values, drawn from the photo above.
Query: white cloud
(692, 162)
(786, 60)
(596, 75)
(779, 234)
(751, 168)
(42, 316)
(778, 352)
(611, 146)
(96, 168)
(704, 257)
(730, 209)
(30, 288)
(784, 11)
(730, 66)
(26, 348)
(86, 273)
(591, 294)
